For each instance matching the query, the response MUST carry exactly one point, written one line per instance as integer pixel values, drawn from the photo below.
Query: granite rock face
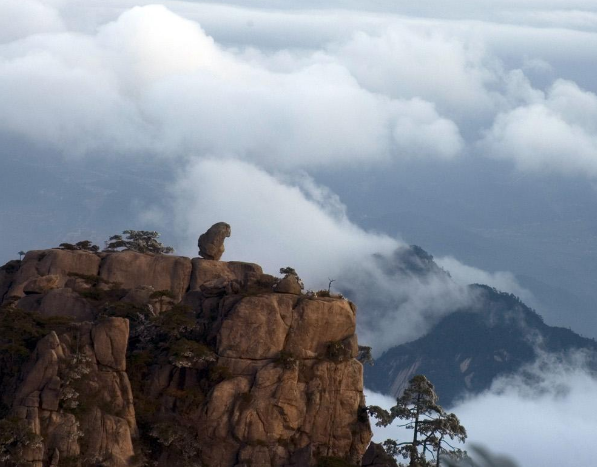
(39, 263)
(80, 408)
(223, 368)
(376, 456)
(163, 272)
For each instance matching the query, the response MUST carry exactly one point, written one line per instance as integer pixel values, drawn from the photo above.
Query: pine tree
(142, 241)
(433, 428)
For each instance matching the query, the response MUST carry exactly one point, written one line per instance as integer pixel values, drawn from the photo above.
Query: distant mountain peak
(467, 349)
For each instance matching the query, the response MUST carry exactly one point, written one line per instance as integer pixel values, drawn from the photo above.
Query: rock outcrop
(76, 396)
(376, 456)
(222, 367)
(211, 243)
(162, 272)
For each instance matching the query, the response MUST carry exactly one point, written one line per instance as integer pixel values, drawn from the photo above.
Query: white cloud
(557, 133)
(420, 60)
(21, 18)
(504, 281)
(273, 223)
(541, 416)
(280, 222)
(154, 82)
(419, 131)
(380, 87)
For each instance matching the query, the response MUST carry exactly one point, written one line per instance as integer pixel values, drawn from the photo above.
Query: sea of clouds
(239, 106)
(539, 416)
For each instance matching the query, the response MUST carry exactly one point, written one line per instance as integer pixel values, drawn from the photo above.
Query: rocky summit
(131, 359)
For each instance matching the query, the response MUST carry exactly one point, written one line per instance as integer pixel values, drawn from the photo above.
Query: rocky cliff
(129, 359)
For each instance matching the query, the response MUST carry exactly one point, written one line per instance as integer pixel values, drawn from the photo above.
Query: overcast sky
(324, 135)
(466, 127)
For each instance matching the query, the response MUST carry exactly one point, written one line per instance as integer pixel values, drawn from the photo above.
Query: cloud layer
(504, 281)
(553, 132)
(278, 222)
(152, 82)
(539, 417)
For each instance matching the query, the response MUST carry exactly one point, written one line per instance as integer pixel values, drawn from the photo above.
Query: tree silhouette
(142, 241)
(433, 428)
(85, 245)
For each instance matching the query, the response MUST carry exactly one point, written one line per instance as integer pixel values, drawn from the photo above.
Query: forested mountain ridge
(467, 349)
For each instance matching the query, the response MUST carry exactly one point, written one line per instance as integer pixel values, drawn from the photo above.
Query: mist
(536, 417)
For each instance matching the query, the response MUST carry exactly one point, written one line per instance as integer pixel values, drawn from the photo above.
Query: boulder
(65, 302)
(290, 284)
(43, 368)
(205, 270)
(256, 328)
(220, 286)
(30, 302)
(319, 322)
(61, 262)
(376, 456)
(211, 243)
(7, 274)
(162, 272)
(109, 437)
(110, 339)
(38, 263)
(50, 396)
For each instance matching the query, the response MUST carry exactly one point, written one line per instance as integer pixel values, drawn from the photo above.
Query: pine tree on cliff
(142, 241)
(432, 426)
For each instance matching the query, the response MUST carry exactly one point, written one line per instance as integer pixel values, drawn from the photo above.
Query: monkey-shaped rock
(211, 243)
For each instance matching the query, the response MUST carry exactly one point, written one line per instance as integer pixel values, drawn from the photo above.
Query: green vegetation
(19, 332)
(338, 351)
(181, 441)
(131, 311)
(75, 394)
(323, 293)
(364, 356)
(93, 294)
(286, 360)
(160, 295)
(327, 294)
(84, 245)
(288, 271)
(185, 353)
(15, 437)
(141, 241)
(432, 426)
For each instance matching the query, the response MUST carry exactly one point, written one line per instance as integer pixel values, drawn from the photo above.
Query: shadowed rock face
(219, 370)
(73, 387)
(211, 243)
